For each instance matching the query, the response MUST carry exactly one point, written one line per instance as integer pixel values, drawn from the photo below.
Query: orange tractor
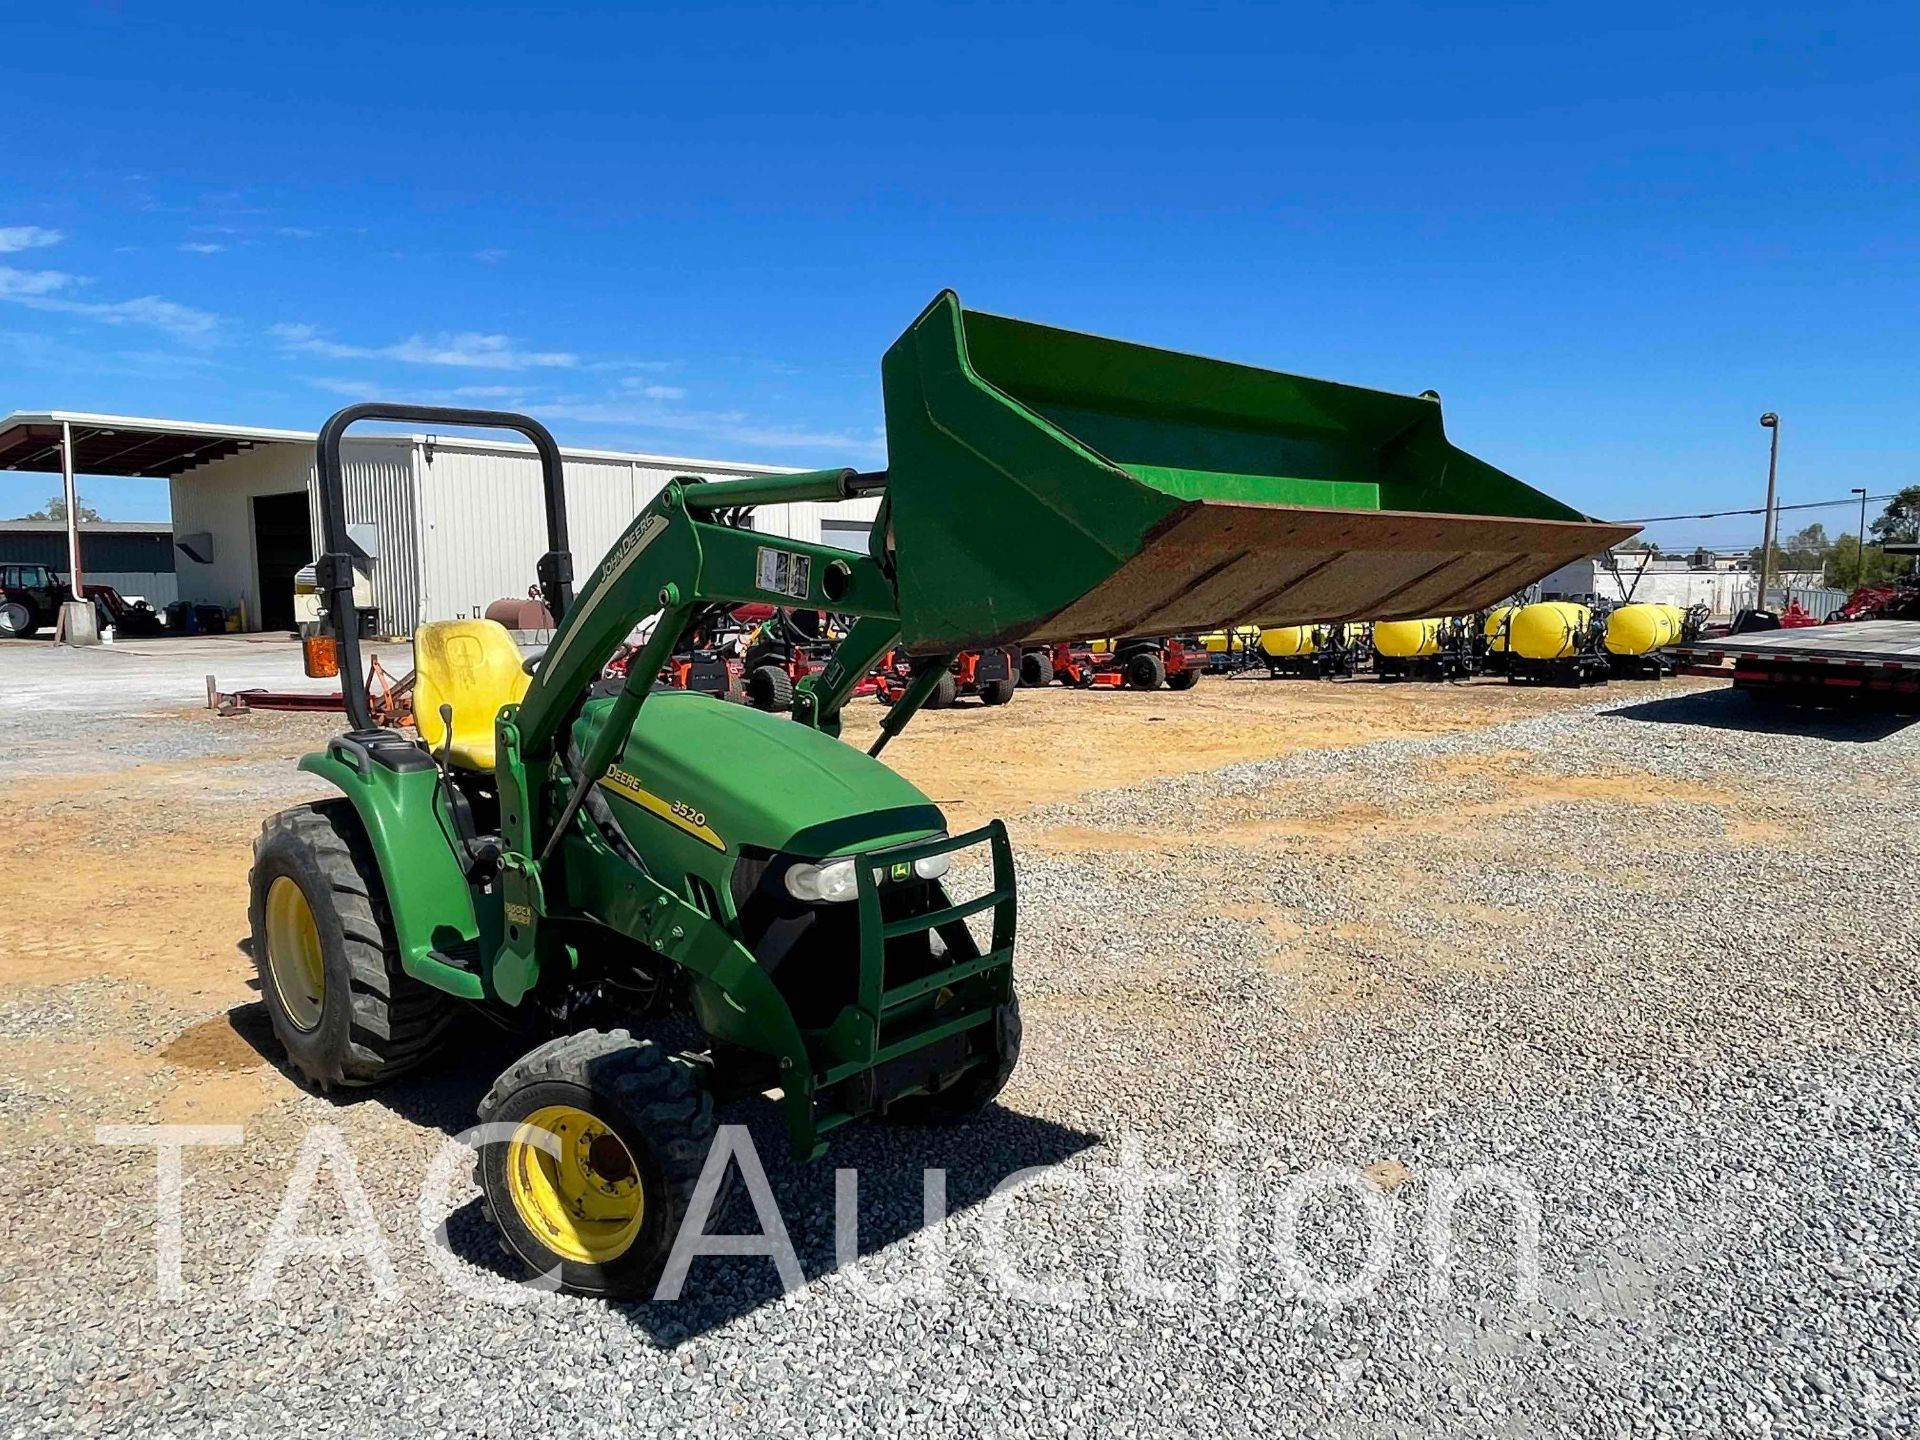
(1133, 664)
(993, 675)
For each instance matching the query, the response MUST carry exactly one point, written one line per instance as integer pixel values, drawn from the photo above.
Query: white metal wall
(217, 499)
(483, 525)
(455, 533)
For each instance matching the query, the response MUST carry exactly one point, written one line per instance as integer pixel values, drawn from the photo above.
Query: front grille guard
(858, 1036)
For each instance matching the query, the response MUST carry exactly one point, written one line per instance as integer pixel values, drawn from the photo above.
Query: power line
(1757, 510)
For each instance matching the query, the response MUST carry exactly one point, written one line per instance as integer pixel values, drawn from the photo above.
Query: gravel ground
(1640, 970)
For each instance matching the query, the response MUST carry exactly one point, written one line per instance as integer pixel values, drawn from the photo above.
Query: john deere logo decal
(676, 813)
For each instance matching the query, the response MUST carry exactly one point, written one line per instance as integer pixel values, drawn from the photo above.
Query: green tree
(1900, 521)
(1847, 566)
(56, 509)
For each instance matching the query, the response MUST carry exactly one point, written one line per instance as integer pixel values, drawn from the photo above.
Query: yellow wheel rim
(294, 961)
(585, 1203)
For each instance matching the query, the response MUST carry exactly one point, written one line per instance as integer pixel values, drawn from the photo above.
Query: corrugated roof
(145, 445)
(88, 527)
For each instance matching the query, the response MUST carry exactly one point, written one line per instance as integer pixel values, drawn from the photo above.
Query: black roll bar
(333, 571)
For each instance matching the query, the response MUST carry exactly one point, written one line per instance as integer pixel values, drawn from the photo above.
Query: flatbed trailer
(1862, 662)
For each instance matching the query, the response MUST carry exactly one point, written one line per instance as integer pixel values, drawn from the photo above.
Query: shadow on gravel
(1731, 709)
(891, 1160)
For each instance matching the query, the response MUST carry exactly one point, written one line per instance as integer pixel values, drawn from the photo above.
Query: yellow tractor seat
(474, 666)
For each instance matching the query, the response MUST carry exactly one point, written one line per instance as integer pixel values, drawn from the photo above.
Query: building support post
(78, 623)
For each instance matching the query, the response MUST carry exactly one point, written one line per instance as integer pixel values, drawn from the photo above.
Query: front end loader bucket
(1048, 485)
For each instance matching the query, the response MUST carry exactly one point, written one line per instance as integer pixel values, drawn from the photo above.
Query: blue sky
(1609, 236)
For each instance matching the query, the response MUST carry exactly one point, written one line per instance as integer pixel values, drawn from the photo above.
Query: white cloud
(50, 290)
(492, 255)
(17, 284)
(202, 247)
(26, 237)
(467, 349)
(459, 394)
(168, 315)
(352, 389)
(659, 392)
(719, 428)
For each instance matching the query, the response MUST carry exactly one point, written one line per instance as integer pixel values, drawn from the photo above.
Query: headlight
(825, 883)
(833, 881)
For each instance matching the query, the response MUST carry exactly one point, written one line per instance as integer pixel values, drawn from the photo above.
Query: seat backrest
(474, 666)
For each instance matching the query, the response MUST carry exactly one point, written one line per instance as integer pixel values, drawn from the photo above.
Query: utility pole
(1860, 546)
(1768, 421)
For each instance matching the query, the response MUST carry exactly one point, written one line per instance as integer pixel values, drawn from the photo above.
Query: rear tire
(1146, 671)
(770, 688)
(997, 692)
(649, 1127)
(330, 972)
(1183, 680)
(975, 1089)
(945, 690)
(1036, 668)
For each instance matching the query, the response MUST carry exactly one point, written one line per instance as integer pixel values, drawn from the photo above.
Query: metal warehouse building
(135, 557)
(447, 524)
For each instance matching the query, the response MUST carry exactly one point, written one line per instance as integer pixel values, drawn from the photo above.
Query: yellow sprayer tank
(1496, 627)
(1407, 639)
(1550, 630)
(1287, 640)
(1223, 642)
(1641, 629)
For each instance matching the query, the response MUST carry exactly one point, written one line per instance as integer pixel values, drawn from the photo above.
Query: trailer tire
(944, 692)
(634, 1126)
(1146, 671)
(341, 1005)
(975, 1089)
(997, 692)
(769, 688)
(1036, 668)
(1183, 679)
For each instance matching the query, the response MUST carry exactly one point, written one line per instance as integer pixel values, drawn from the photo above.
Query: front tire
(770, 688)
(1036, 668)
(633, 1126)
(1146, 671)
(974, 1089)
(945, 691)
(997, 692)
(16, 621)
(330, 974)
(1183, 680)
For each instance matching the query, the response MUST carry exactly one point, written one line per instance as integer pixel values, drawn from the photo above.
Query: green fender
(427, 894)
(733, 998)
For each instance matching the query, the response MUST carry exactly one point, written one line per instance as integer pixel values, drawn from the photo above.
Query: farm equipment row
(1552, 642)
(760, 655)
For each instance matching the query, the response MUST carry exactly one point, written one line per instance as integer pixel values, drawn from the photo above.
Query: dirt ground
(139, 875)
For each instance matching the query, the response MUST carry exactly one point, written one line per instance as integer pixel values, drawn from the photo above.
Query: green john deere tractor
(674, 895)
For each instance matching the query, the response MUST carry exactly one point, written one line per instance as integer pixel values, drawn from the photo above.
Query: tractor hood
(723, 776)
